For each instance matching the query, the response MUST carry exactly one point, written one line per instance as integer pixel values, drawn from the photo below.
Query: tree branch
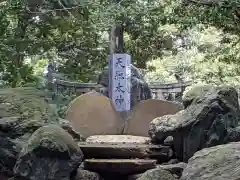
(212, 3)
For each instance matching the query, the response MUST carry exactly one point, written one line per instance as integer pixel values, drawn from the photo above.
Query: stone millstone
(144, 112)
(118, 139)
(119, 166)
(92, 114)
(125, 151)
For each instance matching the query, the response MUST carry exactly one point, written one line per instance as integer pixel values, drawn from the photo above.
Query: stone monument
(139, 88)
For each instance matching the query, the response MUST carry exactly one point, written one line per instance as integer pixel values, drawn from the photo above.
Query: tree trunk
(18, 58)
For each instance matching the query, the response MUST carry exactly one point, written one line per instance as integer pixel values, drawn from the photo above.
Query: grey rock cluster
(198, 143)
(210, 118)
(205, 133)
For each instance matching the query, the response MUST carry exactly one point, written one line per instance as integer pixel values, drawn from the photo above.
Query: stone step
(125, 151)
(119, 166)
(118, 139)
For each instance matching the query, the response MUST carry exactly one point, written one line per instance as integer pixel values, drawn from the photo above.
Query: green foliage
(39, 67)
(209, 56)
(62, 102)
(74, 34)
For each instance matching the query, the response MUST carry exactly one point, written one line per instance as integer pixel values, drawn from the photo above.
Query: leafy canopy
(199, 40)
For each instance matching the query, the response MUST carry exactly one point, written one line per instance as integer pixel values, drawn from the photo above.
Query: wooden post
(116, 39)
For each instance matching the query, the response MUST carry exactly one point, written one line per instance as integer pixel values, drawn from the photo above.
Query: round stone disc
(93, 114)
(144, 112)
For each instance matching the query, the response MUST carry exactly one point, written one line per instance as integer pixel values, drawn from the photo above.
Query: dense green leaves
(198, 40)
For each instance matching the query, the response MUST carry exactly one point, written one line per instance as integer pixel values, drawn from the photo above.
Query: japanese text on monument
(121, 73)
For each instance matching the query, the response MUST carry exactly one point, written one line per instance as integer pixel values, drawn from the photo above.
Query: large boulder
(139, 88)
(22, 111)
(206, 93)
(50, 154)
(216, 163)
(210, 118)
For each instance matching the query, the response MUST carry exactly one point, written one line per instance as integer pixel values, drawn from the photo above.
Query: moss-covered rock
(207, 93)
(50, 154)
(22, 112)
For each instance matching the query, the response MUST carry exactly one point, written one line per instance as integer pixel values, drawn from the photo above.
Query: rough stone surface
(139, 88)
(234, 134)
(118, 139)
(163, 127)
(93, 114)
(207, 93)
(119, 166)
(66, 125)
(144, 112)
(50, 154)
(216, 163)
(210, 118)
(22, 111)
(86, 175)
(168, 141)
(125, 151)
(157, 174)
(174, 168)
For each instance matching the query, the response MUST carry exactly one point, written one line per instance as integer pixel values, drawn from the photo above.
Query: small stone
(174, 168)
(168, 141)
(86, 175)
